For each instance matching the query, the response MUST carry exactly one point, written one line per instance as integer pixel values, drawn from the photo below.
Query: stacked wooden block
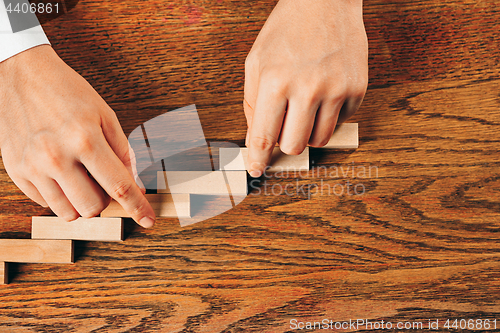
(176, 187)
(344, 137)
(52, 240)
(52, 237)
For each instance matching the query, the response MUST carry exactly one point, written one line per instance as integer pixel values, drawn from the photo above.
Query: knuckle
(55, 162)
(83, 142)
(339, 89)
(251, 60)
(30, 170)
(251, 66)
(51, 154)
(138, 210)
(262, 143)
(122, 190)
(274, 83)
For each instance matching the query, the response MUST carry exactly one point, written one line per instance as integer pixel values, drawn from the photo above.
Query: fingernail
(255, 173)
(146, 222)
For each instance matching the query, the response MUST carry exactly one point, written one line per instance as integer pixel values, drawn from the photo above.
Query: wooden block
(36, 251)
(108, 229)
(203, 182)
(236, 159)
(344, 137)
(4, 272)
(164, 205)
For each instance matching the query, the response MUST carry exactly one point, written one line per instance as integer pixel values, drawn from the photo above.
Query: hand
(307, 70)
(61, 144)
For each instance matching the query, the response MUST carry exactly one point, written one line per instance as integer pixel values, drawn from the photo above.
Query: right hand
(306, 72)
(61, 144)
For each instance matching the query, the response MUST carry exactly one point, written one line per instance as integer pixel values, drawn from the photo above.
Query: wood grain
(36, 251)
(421, 242)
(105, 229)
(345, 136)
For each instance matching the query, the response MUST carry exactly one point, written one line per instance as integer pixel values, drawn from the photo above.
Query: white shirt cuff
(14, 43)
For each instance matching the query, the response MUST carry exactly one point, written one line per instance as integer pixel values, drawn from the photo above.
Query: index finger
(267, 121)
(110, 172)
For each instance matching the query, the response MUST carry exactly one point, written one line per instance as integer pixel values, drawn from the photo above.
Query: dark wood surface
(421, 243)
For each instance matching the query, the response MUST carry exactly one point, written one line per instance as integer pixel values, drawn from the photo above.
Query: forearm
(14, 43)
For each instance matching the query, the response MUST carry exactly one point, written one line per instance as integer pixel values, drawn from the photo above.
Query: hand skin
(306, 72)
(61, 144)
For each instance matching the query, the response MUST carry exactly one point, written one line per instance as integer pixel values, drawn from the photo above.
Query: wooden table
(421, 242)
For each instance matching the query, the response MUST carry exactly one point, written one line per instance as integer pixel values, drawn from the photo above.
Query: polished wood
(422, 242)
(345, 136)
(164, 205)
(36, 251)
(106, 229)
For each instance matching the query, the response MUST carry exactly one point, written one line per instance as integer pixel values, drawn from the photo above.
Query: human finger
(110, 172)
(325, 122)
(266, 126)
(86, 196)
(297, 125)
(30, 190)
(55, 197)
(350, 106)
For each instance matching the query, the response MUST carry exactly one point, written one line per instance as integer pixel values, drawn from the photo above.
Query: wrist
(27, 60)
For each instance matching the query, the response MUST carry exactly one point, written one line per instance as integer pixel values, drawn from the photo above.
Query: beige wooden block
(164, 205)
(236, 159)
(36, 251)
(203, 182)
(344, 137)
(4, 272)
(106, 229)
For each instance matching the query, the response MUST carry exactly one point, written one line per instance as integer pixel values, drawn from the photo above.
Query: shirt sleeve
(14, 43)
